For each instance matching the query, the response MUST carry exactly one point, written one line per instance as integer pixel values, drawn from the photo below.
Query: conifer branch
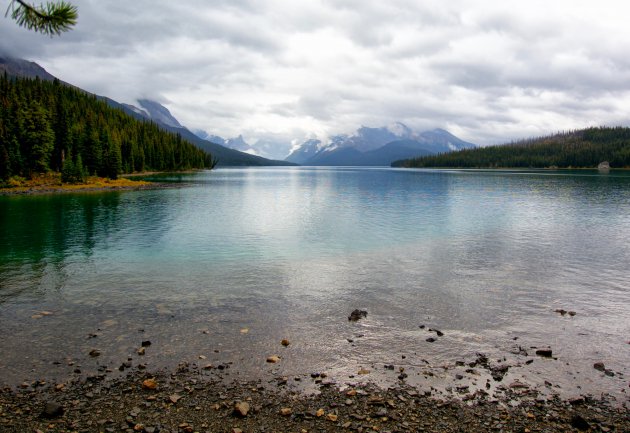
(49, 19)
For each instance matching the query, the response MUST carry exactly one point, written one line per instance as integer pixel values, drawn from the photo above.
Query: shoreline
(50, 183)
(193, 399)
(121, 184)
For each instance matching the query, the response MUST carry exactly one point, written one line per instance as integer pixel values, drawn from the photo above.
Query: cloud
(278, 71)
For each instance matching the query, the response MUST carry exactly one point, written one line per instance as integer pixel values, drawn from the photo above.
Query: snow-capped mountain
(240, 144)
(375, 146)
(209, 137)
(266, 146)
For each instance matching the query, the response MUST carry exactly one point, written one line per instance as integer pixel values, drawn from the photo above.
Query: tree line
(49, 126)
(575, 149)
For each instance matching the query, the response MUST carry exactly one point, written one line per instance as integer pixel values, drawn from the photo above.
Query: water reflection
(42, 236)
(288, 252)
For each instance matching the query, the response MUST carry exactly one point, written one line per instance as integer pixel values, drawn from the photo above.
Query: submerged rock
(357, 314)
(547, 353)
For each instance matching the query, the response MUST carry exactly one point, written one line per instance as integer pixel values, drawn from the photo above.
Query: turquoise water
(485, 257)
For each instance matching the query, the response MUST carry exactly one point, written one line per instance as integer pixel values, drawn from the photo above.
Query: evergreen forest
(50, 126)
(576, 149)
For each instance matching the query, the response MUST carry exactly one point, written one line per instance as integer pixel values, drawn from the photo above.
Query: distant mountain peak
(159, 113)
(400, 129)
(375, 146)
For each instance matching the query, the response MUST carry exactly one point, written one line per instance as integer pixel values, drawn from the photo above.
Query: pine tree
(5, 163)
(39, 137)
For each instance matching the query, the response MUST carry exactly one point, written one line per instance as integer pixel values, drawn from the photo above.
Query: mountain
(270, 147)
(148, 110)
(46, 126)
(209, 137)
(305, 151)
(23, 68)
(394, 151)
(240, 144)
(376, 146)
(219, 149)
(156, 112)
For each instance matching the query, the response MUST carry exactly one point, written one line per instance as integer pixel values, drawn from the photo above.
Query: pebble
(286, 411)
(241, 408)
(52, 410)
(149, 384)
(273, 359)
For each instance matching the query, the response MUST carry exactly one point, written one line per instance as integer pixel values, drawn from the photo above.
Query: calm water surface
(486, 257)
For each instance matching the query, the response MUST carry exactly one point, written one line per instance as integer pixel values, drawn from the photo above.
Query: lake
(221, 268)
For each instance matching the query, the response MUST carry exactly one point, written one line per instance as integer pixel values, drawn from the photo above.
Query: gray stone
(52, 410)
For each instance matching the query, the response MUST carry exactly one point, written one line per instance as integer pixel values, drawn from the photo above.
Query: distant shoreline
(541, 169)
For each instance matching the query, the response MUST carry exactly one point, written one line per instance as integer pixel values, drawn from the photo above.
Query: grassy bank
(51, 183)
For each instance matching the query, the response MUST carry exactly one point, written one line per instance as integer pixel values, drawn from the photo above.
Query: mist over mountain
(154, 111)
(23, 68)
(366, 146)
(267, 146)
(376, 146)
(148, 110)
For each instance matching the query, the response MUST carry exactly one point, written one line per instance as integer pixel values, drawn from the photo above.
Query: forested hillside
(577, 149)
(47, 125)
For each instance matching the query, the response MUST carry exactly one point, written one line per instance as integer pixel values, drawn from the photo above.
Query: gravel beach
(197, 399)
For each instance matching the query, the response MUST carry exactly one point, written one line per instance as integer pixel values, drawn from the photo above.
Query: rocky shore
(194, 399)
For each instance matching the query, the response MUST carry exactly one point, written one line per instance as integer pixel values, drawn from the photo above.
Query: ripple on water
(289, 252)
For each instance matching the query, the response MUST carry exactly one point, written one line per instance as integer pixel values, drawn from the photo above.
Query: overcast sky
(488, 71)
